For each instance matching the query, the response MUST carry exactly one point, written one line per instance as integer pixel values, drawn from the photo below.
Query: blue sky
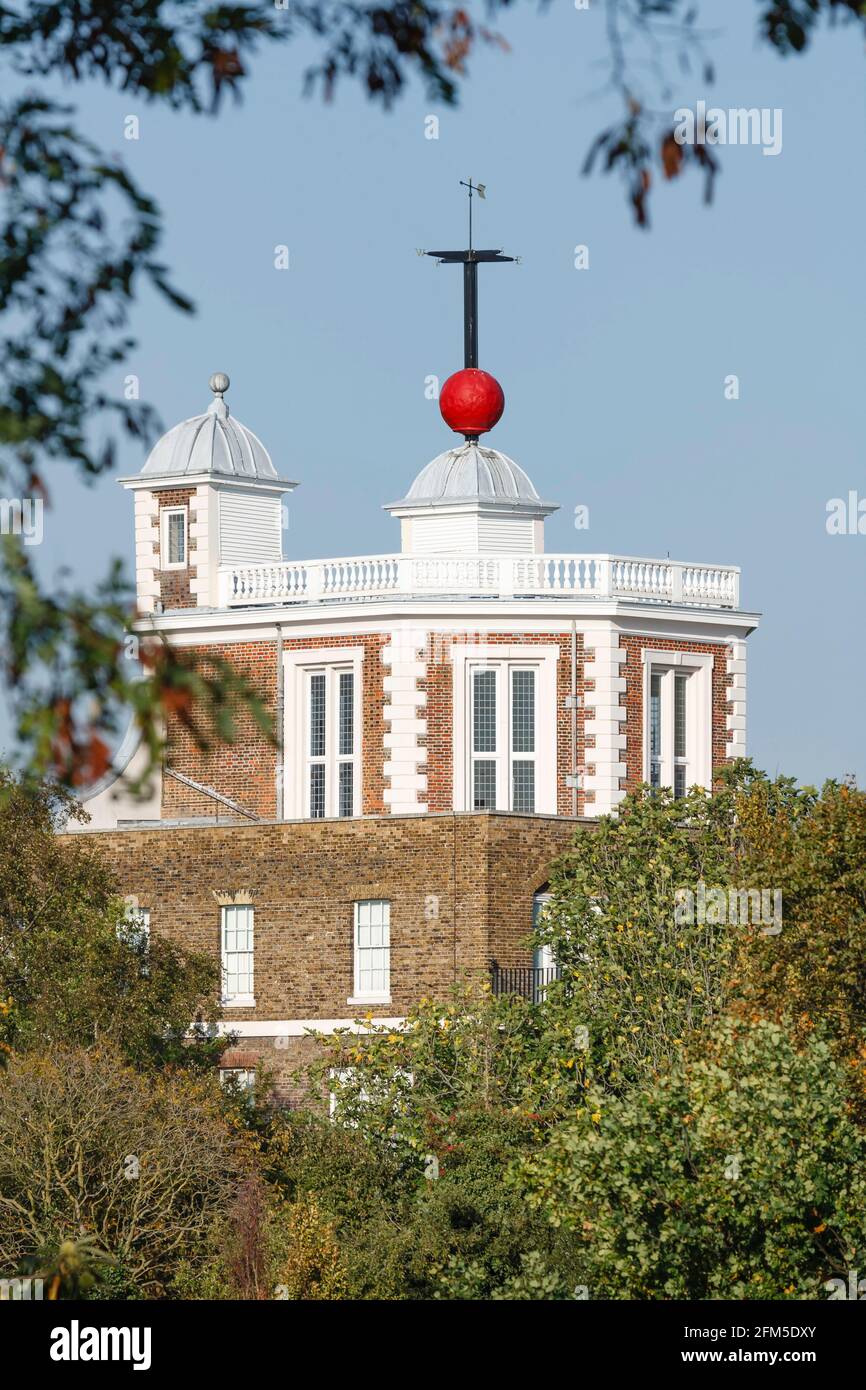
(614, 376)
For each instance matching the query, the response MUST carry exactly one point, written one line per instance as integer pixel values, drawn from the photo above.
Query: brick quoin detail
(439, 686)
(174, 590)
(633, 698)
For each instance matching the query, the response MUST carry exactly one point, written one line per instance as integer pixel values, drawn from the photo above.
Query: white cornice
(202, 626)
(154, 483)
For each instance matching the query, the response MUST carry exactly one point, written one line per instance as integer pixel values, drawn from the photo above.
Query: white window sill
(239, 1001)
(371, 999)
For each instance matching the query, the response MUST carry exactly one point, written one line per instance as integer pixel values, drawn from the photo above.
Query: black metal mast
(470, 260)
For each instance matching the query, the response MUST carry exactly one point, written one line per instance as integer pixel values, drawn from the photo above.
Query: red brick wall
(174, 588)
(246, 771)
(460, 888)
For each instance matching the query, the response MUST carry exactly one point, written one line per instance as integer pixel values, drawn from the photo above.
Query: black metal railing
(529, 981)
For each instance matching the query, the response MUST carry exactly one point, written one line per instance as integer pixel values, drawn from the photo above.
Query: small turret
(208, 495)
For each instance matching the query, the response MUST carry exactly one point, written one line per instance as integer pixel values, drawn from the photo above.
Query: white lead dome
(472, 472)
(210, 443)
(471, 500)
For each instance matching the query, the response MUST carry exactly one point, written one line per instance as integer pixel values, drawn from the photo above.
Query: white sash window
(504, 728)
(236, 932)
(372, 974)
(502, 755)
(172, 541)
(678, 727)
(322, 769)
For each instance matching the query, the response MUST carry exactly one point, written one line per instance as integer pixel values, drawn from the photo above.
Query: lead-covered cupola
(208, 495)
(213, 442)
(470, 500)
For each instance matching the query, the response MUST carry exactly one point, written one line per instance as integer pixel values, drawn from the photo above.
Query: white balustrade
(481, 576)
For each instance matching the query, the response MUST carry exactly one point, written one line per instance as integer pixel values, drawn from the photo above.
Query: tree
(739, 1173)
(72, 971)
(79, 239)
(89, 1148)
(435, 1114)
(814, 969)
(636, 977)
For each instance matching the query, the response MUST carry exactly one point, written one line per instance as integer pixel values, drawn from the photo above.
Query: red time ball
(471, 401)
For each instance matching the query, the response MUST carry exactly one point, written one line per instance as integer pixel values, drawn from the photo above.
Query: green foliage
(815, 968)
(68, 977)
(640, 969)
(78, 234)
(699, 1143)
(626, 1141)
(471, 1053)
(402, 1235)
(739, 1174)
(535, 1282)
(73, 1269)
(633, 977)
(429, 1119)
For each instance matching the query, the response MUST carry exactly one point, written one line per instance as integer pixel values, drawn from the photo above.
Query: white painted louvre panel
(249, 528)
(444, 535)
(505, 535)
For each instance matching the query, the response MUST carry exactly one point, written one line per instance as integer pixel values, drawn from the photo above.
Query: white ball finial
(219, 383)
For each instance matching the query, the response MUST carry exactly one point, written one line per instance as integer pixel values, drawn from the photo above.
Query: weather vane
(470, 260)
(481, 190)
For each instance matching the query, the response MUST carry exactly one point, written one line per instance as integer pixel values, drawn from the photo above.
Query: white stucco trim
(404, 712)
(147, 585)
(605, 717)
(111, 799)
(298, 1027)
(544, 657)
(199, 627)
(204, 544)
(736, 717)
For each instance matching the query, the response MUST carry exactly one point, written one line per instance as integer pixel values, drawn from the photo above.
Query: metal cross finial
(470, 260)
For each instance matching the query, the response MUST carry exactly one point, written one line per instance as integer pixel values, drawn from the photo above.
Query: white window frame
(542, 956)
(298, 666)
(164, 514)
(245, 1077)
(341, 1075)
(238, 1000)
(504, 658)
(133, 930)
(358, 996)
(698, 667)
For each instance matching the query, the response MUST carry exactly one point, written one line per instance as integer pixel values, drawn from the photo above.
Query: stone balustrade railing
(482, 576)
